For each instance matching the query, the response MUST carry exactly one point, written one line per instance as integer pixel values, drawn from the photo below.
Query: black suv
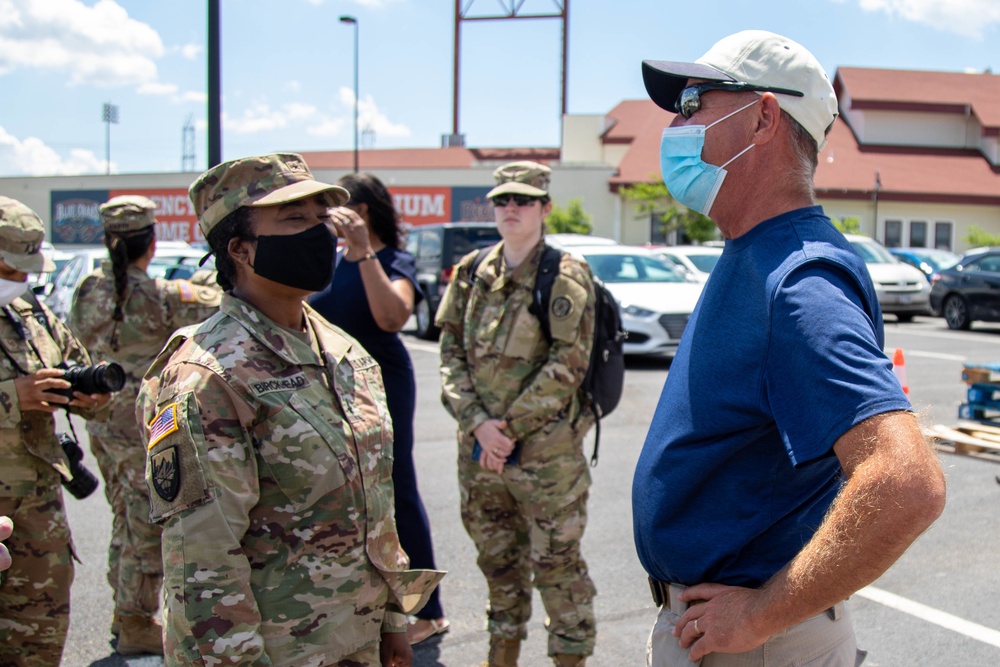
(436, 249)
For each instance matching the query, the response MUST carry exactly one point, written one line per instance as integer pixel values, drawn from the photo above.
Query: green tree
(976, 236)
(848, 225)
(570, 220)
(654, 199)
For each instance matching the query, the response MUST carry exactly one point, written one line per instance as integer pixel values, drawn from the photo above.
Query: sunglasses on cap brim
(689, 101)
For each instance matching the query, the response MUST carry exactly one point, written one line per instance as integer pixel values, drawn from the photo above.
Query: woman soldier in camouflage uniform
(121, 313)
(521, 469)
(34, 592)
(270, 449)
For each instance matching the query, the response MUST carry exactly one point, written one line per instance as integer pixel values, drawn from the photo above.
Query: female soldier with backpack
(522, 472)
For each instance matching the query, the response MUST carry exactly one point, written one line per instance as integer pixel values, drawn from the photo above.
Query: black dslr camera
(96, 379)
(83, 482)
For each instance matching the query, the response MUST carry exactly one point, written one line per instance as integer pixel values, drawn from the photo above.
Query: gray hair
(806, 153)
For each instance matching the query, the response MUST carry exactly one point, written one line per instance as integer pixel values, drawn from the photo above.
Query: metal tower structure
(187, 145)
(512, 9)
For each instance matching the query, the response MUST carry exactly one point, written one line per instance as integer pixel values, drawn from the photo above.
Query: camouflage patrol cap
(521, 178)
(21, 236)
(264, 180)
(128, 213)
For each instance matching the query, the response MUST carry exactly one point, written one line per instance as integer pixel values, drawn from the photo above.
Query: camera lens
(96, 379)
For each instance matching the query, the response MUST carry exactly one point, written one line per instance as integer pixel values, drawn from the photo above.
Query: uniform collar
(292, 348)
(522, 274)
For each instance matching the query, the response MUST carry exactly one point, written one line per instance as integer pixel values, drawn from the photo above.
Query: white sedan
(656, 299)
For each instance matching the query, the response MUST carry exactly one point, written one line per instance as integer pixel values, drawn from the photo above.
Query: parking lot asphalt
(935, 607)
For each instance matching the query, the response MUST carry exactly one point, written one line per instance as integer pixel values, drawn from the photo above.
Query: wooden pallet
(981, 441)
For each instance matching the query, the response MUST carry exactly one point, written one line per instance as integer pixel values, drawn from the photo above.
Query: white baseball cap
(761, 59)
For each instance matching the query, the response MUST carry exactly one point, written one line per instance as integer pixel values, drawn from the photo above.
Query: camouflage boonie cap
(128, 213)
(263, 180)
(521, 178)
(21, 236)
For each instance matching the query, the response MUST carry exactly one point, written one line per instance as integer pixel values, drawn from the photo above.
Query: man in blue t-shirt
(784, 469)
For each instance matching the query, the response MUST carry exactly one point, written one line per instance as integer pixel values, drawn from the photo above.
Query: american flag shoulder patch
(186, 290)
(163, 424)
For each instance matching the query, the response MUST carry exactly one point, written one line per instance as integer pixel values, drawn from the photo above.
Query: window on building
(893, 233)
(657, 235)
(918, 234)
(942, 235)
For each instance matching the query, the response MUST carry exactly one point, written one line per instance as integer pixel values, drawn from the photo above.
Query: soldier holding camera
(34, 593)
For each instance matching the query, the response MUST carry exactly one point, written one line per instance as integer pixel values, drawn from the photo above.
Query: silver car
(902, 290)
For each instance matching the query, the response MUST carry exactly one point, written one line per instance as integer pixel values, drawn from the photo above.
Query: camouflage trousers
(524, 538)
(34, 592)
(135, 565)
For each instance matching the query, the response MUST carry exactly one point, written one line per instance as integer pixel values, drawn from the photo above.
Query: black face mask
(303, 260)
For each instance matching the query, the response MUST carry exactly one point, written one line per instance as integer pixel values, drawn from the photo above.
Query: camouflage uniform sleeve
(458, 393)
(571, 319)
(203, 479)
(80, 315)
(187, 302)
(10, 409)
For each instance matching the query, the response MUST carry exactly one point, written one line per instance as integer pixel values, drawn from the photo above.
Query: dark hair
(124, 249)
(366, 188)
(237, 225)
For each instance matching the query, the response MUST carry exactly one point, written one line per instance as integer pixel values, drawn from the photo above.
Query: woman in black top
(372, 295)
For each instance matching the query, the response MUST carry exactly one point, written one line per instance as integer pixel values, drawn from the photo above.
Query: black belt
(663, 595)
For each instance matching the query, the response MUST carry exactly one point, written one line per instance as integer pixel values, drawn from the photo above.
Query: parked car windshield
(625, 268)
(469, 239)
(873, 253)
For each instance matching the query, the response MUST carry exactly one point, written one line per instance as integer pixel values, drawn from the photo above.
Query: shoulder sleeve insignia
(163, 424)
(186, 291)
(165, 473)
(561, 307)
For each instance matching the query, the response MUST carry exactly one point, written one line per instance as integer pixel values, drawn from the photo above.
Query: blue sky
(287, 76)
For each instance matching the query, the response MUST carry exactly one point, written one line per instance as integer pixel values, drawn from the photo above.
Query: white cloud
(329, 127)
(191, 51)
(262, 118)
(97, 45)
(157, 89)
(32, 157)
(369, 116)
(964, 17)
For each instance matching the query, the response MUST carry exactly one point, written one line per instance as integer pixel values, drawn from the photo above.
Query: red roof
(914, 90)
(847, 170)
(423, 158)
(639, 123)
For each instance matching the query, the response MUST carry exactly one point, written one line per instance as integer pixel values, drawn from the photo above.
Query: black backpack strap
(477, 262)
(548, 269)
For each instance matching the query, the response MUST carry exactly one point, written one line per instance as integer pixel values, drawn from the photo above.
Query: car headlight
(636, 311)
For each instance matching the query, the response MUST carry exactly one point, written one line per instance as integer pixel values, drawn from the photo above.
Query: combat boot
(503, 652)
(569, 660)
(140, 634)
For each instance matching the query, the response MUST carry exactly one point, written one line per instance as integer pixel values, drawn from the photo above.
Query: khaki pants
(826, 640)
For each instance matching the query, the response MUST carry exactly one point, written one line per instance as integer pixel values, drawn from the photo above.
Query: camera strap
(22, 331)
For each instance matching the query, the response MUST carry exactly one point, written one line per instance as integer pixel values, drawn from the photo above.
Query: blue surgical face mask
(692, 181)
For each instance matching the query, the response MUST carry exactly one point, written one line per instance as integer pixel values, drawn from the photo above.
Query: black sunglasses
(689, 101)
(521, 200)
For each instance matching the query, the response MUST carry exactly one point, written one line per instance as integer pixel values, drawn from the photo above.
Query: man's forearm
(895, 490)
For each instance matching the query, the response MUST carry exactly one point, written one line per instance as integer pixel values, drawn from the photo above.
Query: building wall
(917, 129)
(962, 217)
(589, 183)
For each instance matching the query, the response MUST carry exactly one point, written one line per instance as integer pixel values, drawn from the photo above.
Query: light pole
(354, 22)
(109, 114)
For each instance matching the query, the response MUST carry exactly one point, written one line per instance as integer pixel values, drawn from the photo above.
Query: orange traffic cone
(899, 368)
